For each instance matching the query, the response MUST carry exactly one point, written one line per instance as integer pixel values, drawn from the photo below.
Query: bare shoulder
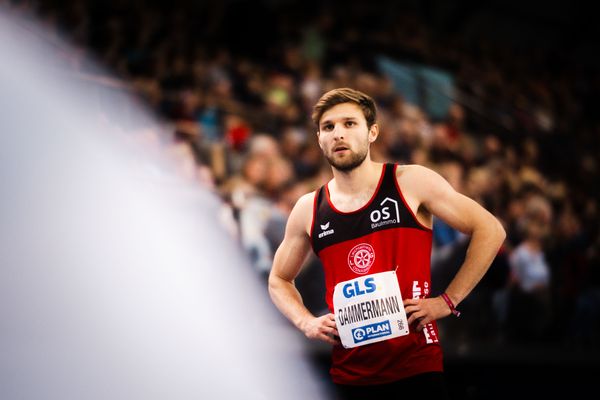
(421, 182)
(413, 171)
(300, 219)
(305, 203)
(423, 186)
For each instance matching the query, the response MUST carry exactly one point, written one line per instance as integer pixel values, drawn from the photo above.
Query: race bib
(369, 309)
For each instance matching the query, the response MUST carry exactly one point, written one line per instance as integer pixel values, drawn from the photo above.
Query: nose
(338, 132)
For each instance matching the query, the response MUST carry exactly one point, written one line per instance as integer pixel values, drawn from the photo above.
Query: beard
(349, 163)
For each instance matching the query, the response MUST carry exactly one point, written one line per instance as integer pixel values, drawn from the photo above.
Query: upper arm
(440, 199)
(295, 246)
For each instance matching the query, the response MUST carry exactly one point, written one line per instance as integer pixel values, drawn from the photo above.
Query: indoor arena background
(151, 152)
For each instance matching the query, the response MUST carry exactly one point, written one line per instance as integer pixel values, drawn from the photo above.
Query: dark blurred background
(496, 96)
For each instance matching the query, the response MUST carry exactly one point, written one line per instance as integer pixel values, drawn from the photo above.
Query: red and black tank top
(381, 236)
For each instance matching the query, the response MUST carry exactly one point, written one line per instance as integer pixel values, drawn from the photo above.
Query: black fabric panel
(386, 211)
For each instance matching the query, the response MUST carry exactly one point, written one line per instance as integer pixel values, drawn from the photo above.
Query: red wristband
(450, 304)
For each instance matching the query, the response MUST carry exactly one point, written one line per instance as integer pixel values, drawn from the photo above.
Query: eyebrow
(328, 121)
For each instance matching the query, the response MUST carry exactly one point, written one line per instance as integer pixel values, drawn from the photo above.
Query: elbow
(274, 284)
(500, 232)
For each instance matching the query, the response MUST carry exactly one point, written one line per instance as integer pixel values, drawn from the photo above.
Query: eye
(327, 127)
(350, 124)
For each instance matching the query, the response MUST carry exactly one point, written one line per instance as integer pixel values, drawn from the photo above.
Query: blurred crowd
(234, 83)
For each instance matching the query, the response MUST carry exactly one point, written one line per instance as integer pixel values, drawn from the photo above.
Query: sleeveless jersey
(381, 236)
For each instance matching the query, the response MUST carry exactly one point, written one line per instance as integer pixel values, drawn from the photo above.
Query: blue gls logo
(372, 331)
(354, 289)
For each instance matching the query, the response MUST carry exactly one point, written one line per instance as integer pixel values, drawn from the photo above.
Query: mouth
(339, 149)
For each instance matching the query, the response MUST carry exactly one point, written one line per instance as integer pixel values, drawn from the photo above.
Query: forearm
(483, 248)
(288, 300)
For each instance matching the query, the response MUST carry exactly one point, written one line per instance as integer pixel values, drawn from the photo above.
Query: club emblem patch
(361, 258)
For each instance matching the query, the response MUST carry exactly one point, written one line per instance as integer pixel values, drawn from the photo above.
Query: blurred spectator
(529, 307)
(443, 234)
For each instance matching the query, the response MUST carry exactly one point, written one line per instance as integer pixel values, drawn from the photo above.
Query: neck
(365, 176)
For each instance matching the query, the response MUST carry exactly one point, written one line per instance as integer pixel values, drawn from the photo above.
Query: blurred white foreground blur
(115, 282)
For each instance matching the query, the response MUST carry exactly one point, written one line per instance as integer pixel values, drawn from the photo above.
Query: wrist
(450, 304)
(303, 322)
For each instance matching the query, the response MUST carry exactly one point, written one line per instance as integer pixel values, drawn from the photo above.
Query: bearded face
(344, 136)
(346, 159)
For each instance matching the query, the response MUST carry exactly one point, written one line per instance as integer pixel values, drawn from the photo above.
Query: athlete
(369, 219)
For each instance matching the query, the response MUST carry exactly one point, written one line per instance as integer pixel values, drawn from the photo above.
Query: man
(369, 219)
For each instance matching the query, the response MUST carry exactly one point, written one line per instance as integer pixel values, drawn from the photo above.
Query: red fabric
(351, 244)
(398, 358)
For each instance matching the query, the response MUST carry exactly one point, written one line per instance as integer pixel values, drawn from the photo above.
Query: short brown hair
(345, 95)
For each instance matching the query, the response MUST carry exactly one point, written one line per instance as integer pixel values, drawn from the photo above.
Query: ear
(319, 139)
(373, 133)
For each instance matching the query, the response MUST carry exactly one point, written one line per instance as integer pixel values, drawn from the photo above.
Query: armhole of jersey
(314, 217)
(405, 203)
